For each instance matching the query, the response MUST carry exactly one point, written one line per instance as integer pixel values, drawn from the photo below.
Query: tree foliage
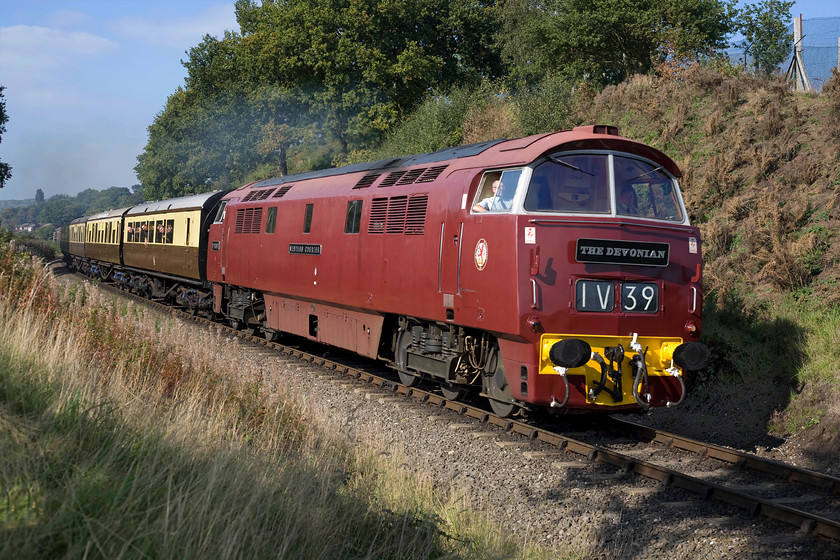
(61, 209)
(309, 83)
(5, 168)
(766, 36)
(605, 41)
(302, 73)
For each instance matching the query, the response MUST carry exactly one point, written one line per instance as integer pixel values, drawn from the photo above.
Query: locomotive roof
(524, 150)
(393, 163)
(181, 203)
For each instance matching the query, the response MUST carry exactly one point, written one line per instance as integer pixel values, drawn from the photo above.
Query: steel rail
(740, 459)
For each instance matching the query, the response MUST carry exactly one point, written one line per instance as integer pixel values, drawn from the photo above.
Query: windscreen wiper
(654, 170)
(569, 165)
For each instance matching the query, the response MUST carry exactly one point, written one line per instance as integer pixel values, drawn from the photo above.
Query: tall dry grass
(123, 436)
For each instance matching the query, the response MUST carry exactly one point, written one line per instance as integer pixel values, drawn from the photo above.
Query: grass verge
(122, 438)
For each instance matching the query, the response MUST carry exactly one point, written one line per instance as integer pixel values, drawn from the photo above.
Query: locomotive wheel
(452, 392)
(407, 378)
(497, 389)
(504, 410)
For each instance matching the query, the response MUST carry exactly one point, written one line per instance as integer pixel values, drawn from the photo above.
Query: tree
(357, 66)
(605, 41)
(330, 74)
(5, 168)
(766, 38)
(39, 195)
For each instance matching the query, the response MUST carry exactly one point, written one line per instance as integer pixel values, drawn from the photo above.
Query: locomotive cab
(608, 271)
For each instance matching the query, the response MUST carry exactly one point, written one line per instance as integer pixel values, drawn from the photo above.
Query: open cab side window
(496, 191)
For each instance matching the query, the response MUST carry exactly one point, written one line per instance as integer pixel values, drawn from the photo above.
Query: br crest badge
(480, 255)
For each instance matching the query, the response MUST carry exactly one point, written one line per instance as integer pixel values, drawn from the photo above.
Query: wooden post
(796, 70)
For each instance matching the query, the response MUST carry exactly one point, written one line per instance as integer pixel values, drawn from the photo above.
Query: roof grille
(367, 181)
(281, 191)
(431, 174)
(410, 176)
(391, 179)
(258, 194)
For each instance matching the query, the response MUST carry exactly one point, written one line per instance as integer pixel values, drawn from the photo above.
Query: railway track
(807, 500)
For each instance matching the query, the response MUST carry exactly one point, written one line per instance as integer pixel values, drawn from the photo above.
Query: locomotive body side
(558, 297)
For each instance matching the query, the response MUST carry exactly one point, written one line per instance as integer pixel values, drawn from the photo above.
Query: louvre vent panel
(415, 221)
(397, 207)
(248, 220)
(399, 214)
(378, 214)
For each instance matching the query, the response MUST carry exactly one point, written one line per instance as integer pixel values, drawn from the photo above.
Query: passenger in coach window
(144, 233)
(627, 203)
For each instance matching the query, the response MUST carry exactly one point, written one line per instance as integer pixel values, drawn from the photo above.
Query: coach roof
(183, 203)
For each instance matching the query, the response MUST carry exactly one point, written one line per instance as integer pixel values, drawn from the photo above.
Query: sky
(84, 80)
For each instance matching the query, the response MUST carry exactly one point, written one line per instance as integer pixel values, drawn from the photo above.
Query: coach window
(307, 219)
(354, 216)
(159, 231)
(271, 220)
(170, 226)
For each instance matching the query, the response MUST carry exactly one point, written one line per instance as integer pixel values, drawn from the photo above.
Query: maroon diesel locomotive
(557, 271)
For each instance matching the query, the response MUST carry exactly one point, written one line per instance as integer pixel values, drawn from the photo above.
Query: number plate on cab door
(599, 296)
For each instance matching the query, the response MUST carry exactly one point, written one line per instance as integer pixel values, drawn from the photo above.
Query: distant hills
(16, 203)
